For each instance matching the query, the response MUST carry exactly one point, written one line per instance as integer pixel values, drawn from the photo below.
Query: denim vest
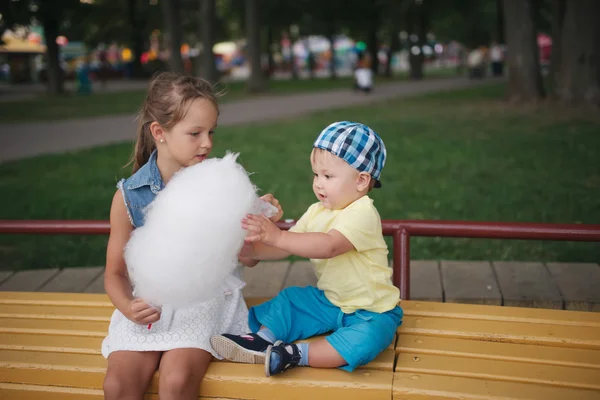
(140, 189)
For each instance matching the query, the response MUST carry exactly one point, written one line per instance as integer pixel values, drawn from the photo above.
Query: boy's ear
(363, 181)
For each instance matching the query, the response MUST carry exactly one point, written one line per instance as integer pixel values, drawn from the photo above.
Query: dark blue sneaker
(248, 349)
(281, 357)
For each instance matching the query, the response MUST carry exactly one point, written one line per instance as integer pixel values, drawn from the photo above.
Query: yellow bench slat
(411, 386)
(552, 375)
(72, 310)
(49, 298)
(528, 353)
(10, 391)
(500, 313)
(502, 331)
(239, 381)
(53, 324)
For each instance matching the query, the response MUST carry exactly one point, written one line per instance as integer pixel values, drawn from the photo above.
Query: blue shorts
(302, 312)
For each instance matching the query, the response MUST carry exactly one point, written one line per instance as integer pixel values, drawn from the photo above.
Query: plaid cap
(357, 144)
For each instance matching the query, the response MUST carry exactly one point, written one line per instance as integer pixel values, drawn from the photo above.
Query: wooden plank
(17, 391)
(301, 274)
(63, 312)
(222, 379)
(579, 284)
(470, 282)
(527, 353)
(97, 285)
(72, 280)
(527, 284)
(39, 392)
(265, 279)
(28, 280)
(504, 332)
(8, 323)
(41, 298)
(425, 281)
(497, 313)
(56, 342)
(510, 371)
(412, 386)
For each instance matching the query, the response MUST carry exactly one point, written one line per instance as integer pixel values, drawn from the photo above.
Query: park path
(24, 140)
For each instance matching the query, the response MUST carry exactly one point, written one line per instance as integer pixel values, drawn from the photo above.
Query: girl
(176, 127)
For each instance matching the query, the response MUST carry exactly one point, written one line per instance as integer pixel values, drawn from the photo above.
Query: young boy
(341, 234)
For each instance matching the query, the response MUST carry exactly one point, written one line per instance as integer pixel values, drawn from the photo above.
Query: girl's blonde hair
(168, 99)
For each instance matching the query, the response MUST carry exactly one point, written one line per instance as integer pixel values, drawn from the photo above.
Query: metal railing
(400, 230)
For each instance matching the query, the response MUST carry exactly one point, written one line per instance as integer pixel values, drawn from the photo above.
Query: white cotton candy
(187, 249)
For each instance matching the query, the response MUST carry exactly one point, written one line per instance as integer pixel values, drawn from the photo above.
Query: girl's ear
(158, 133)
(363, 181)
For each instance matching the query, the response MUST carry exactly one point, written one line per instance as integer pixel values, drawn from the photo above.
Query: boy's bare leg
(321, 354)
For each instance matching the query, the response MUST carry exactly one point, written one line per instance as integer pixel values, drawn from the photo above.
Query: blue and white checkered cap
(355, 143)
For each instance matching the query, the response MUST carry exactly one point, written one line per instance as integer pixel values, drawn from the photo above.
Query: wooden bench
(50, 349)
(50, 342)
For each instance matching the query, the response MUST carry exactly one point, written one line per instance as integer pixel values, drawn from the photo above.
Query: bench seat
(50, 349)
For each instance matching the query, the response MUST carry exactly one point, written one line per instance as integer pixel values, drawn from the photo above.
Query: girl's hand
(142, 313)
(261, 229)
(271, 199)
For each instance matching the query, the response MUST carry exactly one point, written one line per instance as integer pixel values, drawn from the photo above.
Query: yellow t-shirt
(359, 279)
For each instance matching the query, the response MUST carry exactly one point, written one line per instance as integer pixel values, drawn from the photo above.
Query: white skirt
(181, 328)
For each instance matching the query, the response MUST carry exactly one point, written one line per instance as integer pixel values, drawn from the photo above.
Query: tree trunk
(417, 61)
(500, 22)
(524, 75)
(331, 37)
(172, 21)
(373, 45)
(579, 74)
(54, 72)
(394, 47)
(293, 67)
(270, 59)
(558, 18)
(136, 38)
(207, 31)
(257, 81)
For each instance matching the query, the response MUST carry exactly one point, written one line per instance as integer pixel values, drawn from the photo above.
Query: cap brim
(377, 184)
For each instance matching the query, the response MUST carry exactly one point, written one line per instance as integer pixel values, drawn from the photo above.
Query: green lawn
(98, 104)
(76, 106)
(461, 155)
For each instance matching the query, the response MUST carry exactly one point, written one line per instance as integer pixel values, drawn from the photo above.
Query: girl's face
(190, 141)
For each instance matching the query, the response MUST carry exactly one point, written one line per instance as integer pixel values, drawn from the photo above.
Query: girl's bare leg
(181, 371)
(129, 373)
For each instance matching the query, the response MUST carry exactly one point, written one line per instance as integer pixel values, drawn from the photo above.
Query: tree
(558, 17)
(578, 74)
(207, 31)
(257, 81)
(419, 24)
(172, 24)
(524, 76)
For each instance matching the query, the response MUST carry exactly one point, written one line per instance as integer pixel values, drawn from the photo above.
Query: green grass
(98, 104)
(462, 155)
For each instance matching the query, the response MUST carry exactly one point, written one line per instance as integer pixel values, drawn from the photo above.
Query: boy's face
(336, 184)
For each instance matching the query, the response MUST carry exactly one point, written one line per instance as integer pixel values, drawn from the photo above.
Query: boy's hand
(142, 313)
(261, 229)
(269, 198)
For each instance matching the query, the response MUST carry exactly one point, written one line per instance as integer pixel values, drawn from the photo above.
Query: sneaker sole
(232, 351)
(268, 358)
(268, 361)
